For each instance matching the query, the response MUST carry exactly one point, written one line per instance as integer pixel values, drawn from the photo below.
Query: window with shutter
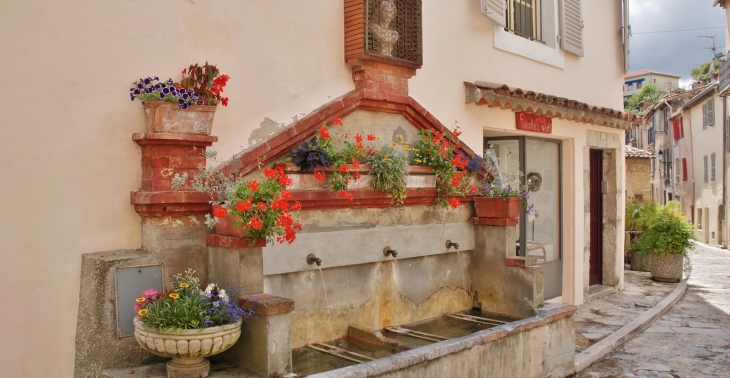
(705, 159)
(571, 27)
(681, 127)
(704, 116)
(711, 112)
(684, 169)
(712, 166)
(524, 18)
(675, 128)
(496, 10)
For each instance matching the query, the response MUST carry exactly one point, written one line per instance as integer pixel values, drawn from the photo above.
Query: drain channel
(339, 352)
(476, 319)
(416, 334)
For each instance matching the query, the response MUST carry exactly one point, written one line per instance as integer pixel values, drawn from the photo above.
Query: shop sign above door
(534, 122)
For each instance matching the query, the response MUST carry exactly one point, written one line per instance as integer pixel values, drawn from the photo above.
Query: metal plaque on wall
(131, 282)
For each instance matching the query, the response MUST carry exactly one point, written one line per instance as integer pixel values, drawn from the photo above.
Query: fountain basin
(539, 346)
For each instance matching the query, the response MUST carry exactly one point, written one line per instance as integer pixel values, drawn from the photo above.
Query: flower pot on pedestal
(188, 348)
(231, 225)
(168, 117)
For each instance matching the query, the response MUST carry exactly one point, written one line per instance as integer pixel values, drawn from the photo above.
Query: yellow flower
(400, 137)
(377, 150)
(141, 300)
(174, 295)
(184, 285)
(417, 160)
(142, 312)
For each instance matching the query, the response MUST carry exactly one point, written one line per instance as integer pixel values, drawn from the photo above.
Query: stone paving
(599, 318)
(692, 339)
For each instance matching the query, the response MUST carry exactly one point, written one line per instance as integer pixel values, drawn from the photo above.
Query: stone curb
(600, 349)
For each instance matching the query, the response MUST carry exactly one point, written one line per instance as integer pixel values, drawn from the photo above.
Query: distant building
(638, 174)
(665, 83)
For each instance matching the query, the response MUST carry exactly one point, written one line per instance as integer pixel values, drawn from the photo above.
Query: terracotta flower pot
(187, 348)
(497, 207)
(231, 225)
(167, 117)
(666, 267)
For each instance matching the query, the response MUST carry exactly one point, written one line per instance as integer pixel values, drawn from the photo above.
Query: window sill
(538, 51)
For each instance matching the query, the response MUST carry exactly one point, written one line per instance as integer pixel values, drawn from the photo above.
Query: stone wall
(638, 179)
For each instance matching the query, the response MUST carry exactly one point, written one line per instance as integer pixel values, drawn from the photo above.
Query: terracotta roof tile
(633, 152)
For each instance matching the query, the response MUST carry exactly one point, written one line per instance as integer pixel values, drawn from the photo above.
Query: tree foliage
(648, 92)
(702, 73)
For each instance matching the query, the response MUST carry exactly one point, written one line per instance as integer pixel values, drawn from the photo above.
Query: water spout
(449, 244)
(312, 259)
(387, 251)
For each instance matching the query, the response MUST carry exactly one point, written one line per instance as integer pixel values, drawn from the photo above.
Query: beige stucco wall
(66, 152)
(708, 195)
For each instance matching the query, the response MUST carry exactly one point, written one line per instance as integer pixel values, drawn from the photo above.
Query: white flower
(223, 295)
(210, 288)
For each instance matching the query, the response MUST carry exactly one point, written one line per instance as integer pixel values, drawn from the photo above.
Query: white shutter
(626, 35)
(704, 115)
(711, 112)
(571, 27)
(495, 9)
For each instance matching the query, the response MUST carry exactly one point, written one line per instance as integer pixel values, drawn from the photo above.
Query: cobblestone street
(692, 339)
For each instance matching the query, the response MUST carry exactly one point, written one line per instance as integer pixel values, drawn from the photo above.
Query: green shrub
(667, 231)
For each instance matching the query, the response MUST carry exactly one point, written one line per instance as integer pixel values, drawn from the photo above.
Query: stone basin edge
(549, 313)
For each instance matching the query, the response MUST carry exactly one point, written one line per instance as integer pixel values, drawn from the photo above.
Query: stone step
(217, 370)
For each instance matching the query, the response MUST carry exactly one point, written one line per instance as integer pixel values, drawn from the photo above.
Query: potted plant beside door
(668, 238)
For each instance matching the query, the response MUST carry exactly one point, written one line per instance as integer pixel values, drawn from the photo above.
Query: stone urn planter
(639, 263)
(188, 348)
(167, 117)
(497, 207)
(667, 267)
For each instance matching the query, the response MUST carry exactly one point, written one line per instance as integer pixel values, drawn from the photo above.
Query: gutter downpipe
(666, 164)
(724, 169)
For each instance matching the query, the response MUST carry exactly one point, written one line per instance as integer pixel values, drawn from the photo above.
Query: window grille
(524, 18)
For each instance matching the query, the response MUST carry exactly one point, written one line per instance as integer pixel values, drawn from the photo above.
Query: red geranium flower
(261, 206)
(456, 180)
(269, 173)
(286, 195)
(319, 175)
(358, 138)
(224, 101)
(457, 133)
(296, 206)
(323, 133)
(371, 137)
(453, 202)
(336, 121)
(243, 206)
(220, 211)
(343, 168)
(253, 185)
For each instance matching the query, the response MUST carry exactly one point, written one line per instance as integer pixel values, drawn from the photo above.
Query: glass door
(539, 232)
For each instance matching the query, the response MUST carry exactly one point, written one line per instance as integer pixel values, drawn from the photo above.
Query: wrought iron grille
(524, 18)
(407, 23)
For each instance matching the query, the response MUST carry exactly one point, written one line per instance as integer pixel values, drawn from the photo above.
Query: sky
(653, 46)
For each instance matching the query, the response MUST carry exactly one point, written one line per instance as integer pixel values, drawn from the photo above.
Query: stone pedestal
(265, 344)
(505, 283)
(232, 263)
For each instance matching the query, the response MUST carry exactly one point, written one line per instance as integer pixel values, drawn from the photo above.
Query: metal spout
(387, 251)
(312, 259)
(449, 244)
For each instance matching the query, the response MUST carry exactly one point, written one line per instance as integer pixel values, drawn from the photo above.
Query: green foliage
(702, 72)
(438, 152)
(389, 170)
(667, 232)
(639, 214)
(648, 92)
